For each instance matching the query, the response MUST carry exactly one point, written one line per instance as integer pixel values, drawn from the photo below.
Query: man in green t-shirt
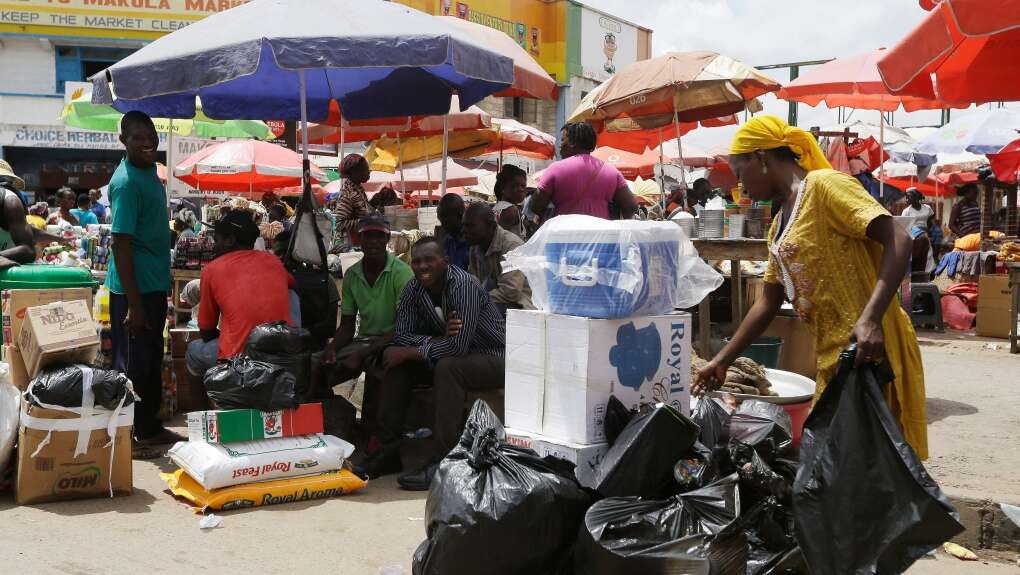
(139, 277)
(371, 290)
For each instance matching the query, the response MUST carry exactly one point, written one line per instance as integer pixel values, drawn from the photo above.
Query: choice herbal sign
(112, 18)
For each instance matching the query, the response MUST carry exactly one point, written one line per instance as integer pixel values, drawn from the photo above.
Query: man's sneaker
(382, 462)
(419, 480)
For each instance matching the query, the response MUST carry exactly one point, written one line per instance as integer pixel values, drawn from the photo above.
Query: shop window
(77, 63)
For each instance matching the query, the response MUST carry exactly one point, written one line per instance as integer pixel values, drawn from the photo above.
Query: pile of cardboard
(63, 453)
(247, 458)
(562, 370)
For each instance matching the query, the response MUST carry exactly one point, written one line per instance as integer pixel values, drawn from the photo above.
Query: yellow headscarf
(769, 133)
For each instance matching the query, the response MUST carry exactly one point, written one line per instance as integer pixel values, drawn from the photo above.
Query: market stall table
(735, 250)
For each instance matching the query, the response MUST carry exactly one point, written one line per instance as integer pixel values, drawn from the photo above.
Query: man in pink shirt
(580, 183)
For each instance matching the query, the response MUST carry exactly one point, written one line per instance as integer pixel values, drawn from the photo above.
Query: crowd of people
(438, 321)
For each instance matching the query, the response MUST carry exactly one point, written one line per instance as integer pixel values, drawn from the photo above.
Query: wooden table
(1014, 308)
(735, 251)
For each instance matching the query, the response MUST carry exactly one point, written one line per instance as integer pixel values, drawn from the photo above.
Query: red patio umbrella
(965, 51)
(1006, 162)
(248, 167)
(637, 140)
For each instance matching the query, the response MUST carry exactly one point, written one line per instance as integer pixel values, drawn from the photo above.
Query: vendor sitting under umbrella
(489, 243)
(240, 289)
(372, 287)
(448, 333)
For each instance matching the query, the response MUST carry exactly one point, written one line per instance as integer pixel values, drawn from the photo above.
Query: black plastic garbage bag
(284, 345)
(616, 419)
(641, 461)
(63, 386)
(769, 529)
(244, 383)
(764, 426)
(758, 480)
(713, 417)
(863, 503)
(498, 509)
(685, 534)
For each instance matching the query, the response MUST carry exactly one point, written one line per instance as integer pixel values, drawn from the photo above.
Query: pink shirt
(581, 184)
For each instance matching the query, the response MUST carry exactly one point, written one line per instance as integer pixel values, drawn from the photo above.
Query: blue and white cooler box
(561, 370)
(590, 267)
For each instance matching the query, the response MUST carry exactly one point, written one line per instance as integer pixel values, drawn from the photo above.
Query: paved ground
(973, 411)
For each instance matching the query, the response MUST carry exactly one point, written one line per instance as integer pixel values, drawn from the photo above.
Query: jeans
(202, 356)
(139, 356)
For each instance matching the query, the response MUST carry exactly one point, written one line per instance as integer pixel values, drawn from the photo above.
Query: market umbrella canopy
(244, 166)
(456, 119)
(80, 112)
(965, 51)
(852, 82)
(377, 59)
(695, 85)
(386, 155)
(621, 135)
(630, 165)
(420, 176)
(523, 139)
(1006, 162)
(530, 79)
(979, 132)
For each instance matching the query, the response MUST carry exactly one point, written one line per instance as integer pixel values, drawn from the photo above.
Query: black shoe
(419, 480)
(382, 462)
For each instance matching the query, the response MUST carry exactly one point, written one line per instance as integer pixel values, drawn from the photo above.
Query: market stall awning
(245, 167)
(420, 176)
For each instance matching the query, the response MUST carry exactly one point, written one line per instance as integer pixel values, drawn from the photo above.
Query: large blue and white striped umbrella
(376, 58)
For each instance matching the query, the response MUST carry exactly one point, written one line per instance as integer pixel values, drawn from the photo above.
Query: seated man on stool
(371, 290)
(241, 289)
(489, 243)
(448, 332)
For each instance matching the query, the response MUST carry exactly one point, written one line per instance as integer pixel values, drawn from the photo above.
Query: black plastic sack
(758, 480)
(764, 426)
(498, 509)
(281, 344)
(714, 420)
(641, 462)
(685, 534)
(617, 418)
(244, 383)
(863, 503)
(62, 386)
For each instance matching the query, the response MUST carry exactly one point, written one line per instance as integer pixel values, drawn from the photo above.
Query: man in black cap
(242, 288)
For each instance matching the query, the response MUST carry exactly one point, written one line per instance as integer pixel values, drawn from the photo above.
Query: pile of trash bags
(272, 374)
(718, 492)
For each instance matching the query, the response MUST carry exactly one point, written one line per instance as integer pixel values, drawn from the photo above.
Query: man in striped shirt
(448, 332)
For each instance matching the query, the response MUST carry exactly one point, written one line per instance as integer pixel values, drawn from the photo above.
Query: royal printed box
(586, 458)
(640, 360)
(232, 425)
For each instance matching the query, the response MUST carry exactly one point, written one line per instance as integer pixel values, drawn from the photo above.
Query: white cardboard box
(586, 458)
(524, 392)
(641, 360)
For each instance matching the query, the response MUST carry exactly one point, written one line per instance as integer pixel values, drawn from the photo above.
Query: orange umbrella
(637, 140)
(971, 47)
(522, 139)
(630, 165)
(852, 82)
(474, 118)
(530, 79)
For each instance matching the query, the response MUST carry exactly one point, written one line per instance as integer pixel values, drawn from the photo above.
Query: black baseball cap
(374, 222)
(238, 223)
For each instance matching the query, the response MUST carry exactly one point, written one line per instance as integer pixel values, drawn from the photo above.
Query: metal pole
(662, 178)
(400, 164)
(428, 170)
(446, 147)
(881, 155)
(792, 115)
(169, 162)
(340, 150)
(306, 170)
(679, 149)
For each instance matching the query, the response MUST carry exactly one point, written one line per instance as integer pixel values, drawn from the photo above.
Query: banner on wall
(106, 18)
(607, 45)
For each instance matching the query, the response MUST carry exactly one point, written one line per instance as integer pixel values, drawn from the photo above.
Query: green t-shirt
(377, 304)
(138, 203)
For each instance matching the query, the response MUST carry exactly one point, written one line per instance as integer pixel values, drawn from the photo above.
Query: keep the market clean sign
(147, 17)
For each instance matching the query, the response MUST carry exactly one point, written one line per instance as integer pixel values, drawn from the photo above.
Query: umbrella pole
(662, 178)
(446, 148)
(428, 171)
(881, 154)
(169, 163)
(400, 164)
(306, 170)
(340, 149)
(679, 148)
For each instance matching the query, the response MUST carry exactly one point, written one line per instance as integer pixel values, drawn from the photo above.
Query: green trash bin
(43, 276)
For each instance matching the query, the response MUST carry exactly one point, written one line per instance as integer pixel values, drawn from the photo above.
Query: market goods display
(744, 376)
(1010, 252)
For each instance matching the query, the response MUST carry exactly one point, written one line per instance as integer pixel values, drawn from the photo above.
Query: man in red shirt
(240, 289)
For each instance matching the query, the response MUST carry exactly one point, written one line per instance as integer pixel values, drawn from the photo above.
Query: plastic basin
(798, 415)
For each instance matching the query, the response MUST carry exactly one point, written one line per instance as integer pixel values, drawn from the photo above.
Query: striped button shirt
(420, 325)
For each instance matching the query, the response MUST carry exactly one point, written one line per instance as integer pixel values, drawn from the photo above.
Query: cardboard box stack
(561, 371)
(993, 315)
(247, 458)
(64, 452)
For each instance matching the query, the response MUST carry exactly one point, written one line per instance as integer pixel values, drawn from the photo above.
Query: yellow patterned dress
(828, 269)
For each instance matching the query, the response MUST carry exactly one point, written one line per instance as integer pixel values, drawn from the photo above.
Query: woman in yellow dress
(837, 256)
